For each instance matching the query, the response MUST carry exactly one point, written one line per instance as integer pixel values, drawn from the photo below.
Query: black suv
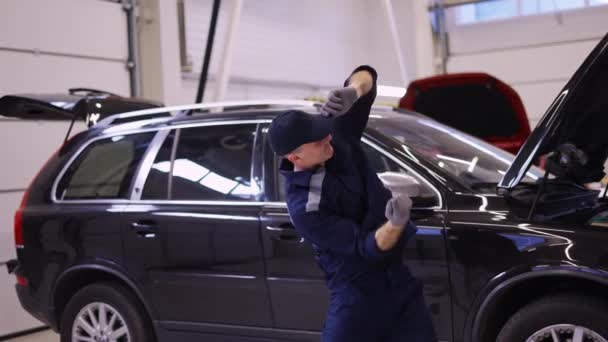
(169, 224)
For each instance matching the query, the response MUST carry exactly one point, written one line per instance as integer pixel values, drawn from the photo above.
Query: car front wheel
(104, 312)
(558, 318)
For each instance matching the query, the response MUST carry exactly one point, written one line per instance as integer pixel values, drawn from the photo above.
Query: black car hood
(579, 115)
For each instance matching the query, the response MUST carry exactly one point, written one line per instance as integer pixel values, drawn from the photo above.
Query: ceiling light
(390, 91)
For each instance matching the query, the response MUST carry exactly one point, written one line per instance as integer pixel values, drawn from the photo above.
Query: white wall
(297, 48)
(48, 46)
(283, 48)
(536, 55)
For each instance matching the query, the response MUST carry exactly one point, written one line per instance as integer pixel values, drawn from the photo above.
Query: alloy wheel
(100, 322)
(565, 333)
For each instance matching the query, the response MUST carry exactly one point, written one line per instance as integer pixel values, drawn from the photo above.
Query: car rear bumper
(35, 307)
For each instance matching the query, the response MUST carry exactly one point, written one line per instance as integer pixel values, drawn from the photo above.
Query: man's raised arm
(352, 103)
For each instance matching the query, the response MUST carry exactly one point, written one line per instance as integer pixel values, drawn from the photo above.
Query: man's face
(312, 154)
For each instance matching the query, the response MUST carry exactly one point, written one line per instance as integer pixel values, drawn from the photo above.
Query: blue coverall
(337, 207)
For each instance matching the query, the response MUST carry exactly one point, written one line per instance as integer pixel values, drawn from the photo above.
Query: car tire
(124, 315)
(563, 315)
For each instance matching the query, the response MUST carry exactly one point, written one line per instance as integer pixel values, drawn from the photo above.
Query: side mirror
(399, 183)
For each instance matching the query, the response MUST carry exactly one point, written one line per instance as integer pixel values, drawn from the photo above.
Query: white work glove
(339, 101)
(398, 210)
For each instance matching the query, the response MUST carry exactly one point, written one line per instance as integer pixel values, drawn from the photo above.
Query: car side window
(104, 169)
(211, 163)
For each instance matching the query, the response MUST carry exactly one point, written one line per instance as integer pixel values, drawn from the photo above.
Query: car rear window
(104, 169)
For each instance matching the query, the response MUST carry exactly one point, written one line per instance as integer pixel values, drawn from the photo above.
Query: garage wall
(535, 54)
(48, 46)
(296, 48)
(285, 49)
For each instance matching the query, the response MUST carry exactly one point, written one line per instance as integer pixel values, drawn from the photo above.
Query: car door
(296, 284)
(84, 224)
(192, 234)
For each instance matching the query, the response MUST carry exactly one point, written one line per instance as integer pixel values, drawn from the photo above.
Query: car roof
(245, 110)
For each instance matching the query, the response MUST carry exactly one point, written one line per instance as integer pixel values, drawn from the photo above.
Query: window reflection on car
(471, 160)
(209, 163)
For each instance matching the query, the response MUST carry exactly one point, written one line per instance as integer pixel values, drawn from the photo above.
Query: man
(338, 203)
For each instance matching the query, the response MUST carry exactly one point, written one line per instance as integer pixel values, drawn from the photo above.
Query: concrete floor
(43, 336)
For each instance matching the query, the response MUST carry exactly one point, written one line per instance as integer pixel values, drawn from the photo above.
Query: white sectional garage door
(535, 54)
(48, 46)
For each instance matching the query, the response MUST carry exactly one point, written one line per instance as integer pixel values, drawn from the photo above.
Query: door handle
(144, 229)
(288, 234)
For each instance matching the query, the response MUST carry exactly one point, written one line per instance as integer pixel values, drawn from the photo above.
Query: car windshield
(475, 162)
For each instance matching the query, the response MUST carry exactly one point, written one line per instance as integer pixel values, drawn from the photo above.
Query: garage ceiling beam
(392, 24)
(230, 42)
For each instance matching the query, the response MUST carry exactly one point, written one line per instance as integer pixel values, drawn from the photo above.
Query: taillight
(19, 243)
(21, 280)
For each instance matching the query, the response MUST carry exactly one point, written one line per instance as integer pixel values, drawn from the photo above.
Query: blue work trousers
(387, 314)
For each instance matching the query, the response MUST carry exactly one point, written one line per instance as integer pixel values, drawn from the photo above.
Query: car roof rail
(241, 105)
(201, 108)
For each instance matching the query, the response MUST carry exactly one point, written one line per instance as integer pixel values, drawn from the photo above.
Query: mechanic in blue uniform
(358, 231)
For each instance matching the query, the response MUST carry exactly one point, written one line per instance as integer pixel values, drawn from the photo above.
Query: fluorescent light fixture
(183, 168)
(163, 166)
(484, 202)
(218, 183)
(61, 104)
(243, 190)
(189, 170)
(208, 216)
(473, 163)
(390, 91)
(455, 160)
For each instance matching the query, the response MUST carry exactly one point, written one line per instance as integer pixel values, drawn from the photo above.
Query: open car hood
(90, 107)
(578, 116)
(467, 101)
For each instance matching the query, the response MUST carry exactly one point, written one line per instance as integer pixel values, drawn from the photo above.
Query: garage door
(48, 46)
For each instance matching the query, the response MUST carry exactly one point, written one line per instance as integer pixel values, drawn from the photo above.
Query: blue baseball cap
(291, 129)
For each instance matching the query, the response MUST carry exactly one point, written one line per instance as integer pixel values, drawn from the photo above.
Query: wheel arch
(512, 294)
(77, 277)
